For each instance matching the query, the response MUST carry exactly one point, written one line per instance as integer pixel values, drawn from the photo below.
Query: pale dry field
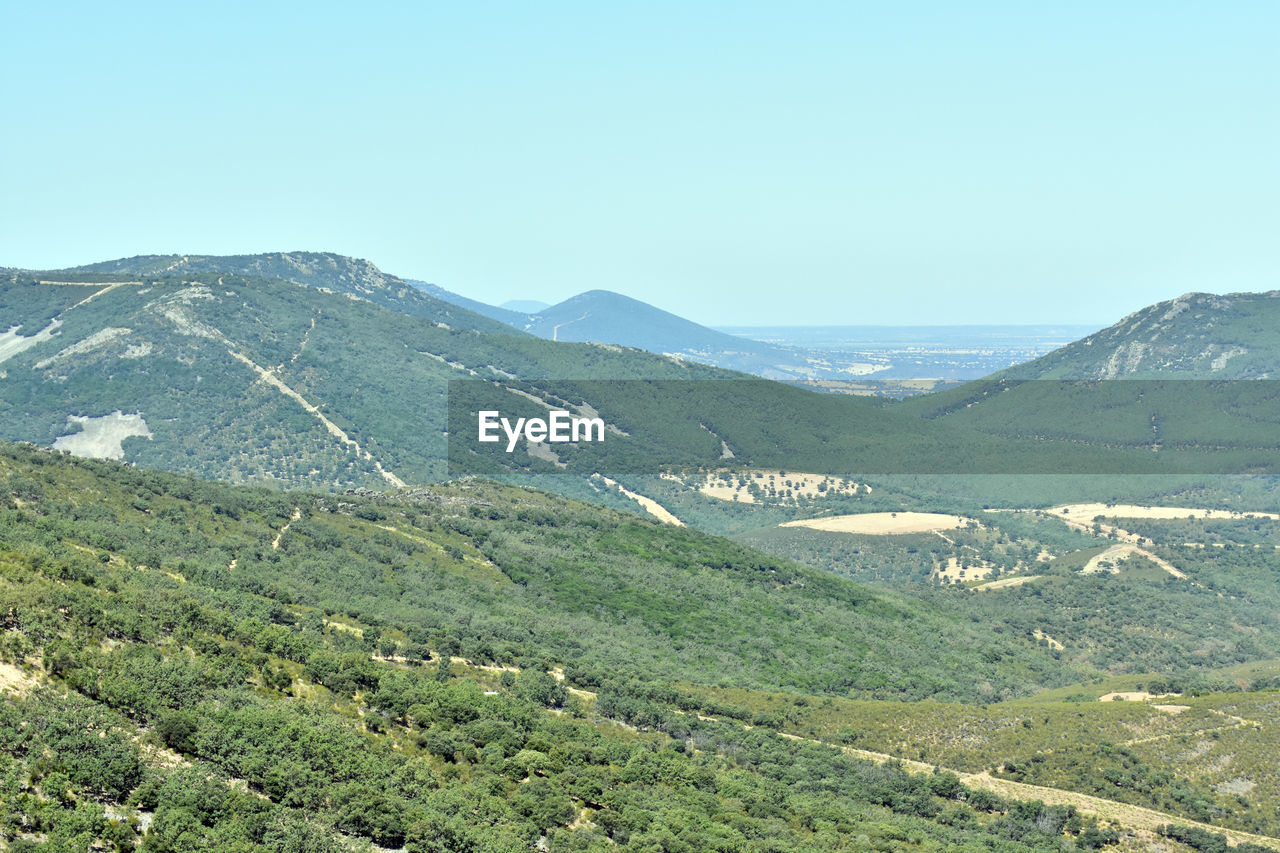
(730, 486)
(956, 570)
(1087, 512)
(1136, 696)
(884, 523)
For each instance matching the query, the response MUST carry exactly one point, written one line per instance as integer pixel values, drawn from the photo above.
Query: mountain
(326, 270)
(601, 316)
(606, 317)
(1155, 379)
(222, 667)
(240, 378)
(1196, 336)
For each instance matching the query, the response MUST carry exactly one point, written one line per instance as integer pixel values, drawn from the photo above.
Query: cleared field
(885, 523)
(1088, 512)
(955, 570)
(1136, 696)
(752, 486)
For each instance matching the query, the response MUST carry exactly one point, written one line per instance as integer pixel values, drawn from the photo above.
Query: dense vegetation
(201, 666)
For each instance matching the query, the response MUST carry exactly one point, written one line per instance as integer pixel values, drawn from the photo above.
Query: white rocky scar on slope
(176, 308)
(100, 438)
(97, 340)
(1220, 360)
(12, 343)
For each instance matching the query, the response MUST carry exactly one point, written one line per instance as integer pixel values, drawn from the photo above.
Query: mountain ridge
(1195, 335)
(354, 277)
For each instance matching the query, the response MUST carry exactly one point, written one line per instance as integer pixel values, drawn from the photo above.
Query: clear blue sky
(738, 163)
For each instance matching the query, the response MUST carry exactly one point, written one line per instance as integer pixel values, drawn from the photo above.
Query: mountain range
(321, 370)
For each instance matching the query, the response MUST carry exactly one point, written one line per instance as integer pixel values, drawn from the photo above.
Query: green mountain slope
(244, 378)
(1164, 378)
(235, 668)
(502, 572)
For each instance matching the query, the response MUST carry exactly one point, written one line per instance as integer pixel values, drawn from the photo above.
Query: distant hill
(607, 317)
(1066, 396)
(601, 316)
(1196, 336)
(247, 378)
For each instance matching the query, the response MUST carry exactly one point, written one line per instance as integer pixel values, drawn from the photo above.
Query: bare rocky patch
(100, 438)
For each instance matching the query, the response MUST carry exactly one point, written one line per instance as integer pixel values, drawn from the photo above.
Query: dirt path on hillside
(651, 506)
(555, 331)
(334, 430)
(1236, 723)
(1122, 552)
(11, 343)
(275, 543)
(1133, 817)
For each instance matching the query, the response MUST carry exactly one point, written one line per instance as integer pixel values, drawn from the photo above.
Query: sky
(737, 163)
